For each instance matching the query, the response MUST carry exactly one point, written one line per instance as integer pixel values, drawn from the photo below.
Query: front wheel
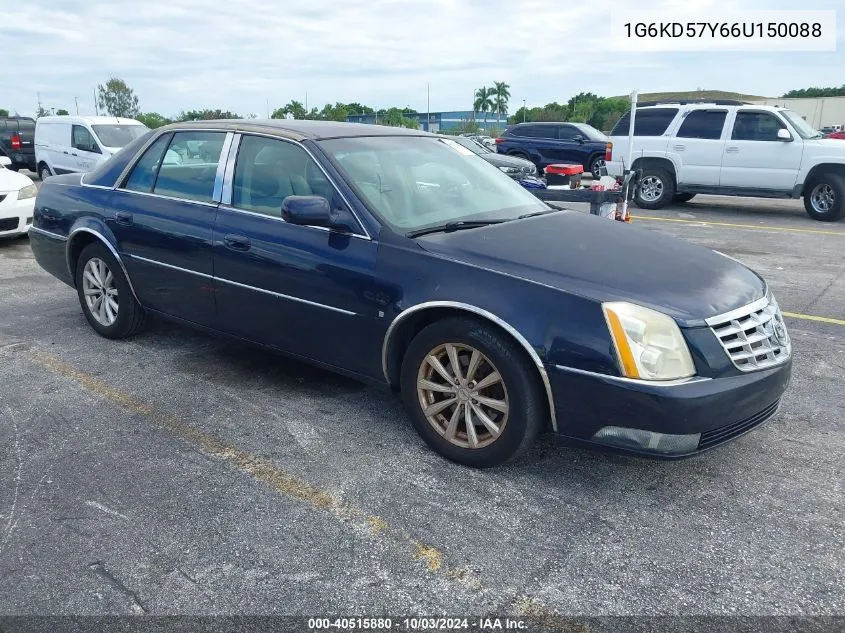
(824, 199)
(105, 295)
(656, 189)
(44, 172)
(471, 393)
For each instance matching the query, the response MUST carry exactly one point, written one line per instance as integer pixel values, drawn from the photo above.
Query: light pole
(523, 110)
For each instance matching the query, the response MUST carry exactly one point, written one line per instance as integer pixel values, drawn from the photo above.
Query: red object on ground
(564, 169)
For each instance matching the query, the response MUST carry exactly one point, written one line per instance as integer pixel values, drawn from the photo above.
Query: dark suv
(548, 143)
(17, 141)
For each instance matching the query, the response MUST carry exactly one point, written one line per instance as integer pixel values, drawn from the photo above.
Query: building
(817, 111)
(443, 121)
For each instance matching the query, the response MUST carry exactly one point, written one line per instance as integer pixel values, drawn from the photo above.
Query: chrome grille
(755, 336)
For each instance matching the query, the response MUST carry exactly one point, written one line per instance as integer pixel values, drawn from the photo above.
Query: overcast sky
(188, 54)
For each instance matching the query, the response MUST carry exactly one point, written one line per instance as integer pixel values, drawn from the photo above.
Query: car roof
(297, 129)
(90, 120)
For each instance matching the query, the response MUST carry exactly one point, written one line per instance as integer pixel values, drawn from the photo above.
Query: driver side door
(85, 151)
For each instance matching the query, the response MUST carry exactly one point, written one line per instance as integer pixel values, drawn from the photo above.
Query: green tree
(206, 115)
(153, 119)
(118, 99)
(62, 112)
(295, 109)
(501, 96)
(41, 111)
(4, 112)
(483, 101)
(817, 92)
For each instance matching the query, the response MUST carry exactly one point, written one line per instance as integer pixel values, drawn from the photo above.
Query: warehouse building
(818, 111)
(443, 121)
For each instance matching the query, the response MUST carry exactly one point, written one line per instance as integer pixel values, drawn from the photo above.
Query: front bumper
(15, 215)
(717, 409)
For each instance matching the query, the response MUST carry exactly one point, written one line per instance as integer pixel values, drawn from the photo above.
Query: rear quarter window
(105, 175)
(648, 122)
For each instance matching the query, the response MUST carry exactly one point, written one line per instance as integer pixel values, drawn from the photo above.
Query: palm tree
(483, 101)
(501, 94)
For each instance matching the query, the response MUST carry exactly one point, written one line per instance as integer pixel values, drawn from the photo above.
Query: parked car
(391, 256)
(730, 148)
(549, 143)
(516, 168)
(16, 142)
(68, 144)
(836, 135)
(17, 200)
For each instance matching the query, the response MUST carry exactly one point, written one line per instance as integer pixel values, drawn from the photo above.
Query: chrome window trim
(229, 173)
(112, 249)
(634, 381)
(212, 205)
(544, 375)
(171, 266)
(284, 296)
(231, 176)
(85, 184)
(55, 236)
(222, 161)
(228, 207)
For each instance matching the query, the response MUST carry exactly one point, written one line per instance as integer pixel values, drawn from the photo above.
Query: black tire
(44, 172)
(13, 167)
(680, 198)
(827, 188)
(596, 163)
(527, 413)
(657, 178)
(131, 317)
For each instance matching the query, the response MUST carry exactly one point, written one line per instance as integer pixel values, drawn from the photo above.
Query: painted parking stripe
(812, 317)
(652, 218)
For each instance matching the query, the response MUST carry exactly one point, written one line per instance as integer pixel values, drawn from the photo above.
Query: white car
(734, 149)
(17, 200)
(69, 144)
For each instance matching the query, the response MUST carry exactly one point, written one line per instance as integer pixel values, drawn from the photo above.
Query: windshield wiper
(453, 226)
(535, 213)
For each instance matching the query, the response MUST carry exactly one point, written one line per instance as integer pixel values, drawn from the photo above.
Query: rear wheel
(597, 165)
(471, 393)
(656, 189)
(680, 198)
(105, 295)
(824, 199)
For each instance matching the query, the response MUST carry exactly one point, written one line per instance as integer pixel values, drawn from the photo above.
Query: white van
(67, 144)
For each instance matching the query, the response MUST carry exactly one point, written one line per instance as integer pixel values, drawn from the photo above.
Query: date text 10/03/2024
(417, 624)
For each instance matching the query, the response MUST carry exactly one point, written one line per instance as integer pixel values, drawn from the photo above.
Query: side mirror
(784, 135)
(580, 139)
(309, 211)
(5, 161)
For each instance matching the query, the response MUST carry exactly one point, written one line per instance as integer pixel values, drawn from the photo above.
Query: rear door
(755, 158)
(55, 145)
(163, 217)
(698, 145)
(303, 289)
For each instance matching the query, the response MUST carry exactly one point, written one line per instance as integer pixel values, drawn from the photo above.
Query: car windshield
(804, 129)
(591, 133)
(419, 182)
(472, 145)
(119, 135)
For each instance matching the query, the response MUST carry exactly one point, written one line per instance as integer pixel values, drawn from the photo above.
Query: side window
(649, 122)
(268, 170)
(144, 173)
(82, 140)
(189, 168)
(568, 132)
(705, 124)
(756, 126)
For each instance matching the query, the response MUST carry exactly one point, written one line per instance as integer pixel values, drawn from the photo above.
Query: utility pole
(427, 107)
(76, 101)
(96, 107)
(38, 94)
(523, 110)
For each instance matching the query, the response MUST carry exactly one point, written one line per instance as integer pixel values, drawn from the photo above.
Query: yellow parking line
(636, 217)
(812, 317)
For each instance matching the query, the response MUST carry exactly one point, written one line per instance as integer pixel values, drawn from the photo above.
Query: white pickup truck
(731, 149)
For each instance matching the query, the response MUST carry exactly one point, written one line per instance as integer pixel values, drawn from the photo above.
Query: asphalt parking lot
(180, 473)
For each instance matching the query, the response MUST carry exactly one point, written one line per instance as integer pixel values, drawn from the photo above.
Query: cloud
(238, 55)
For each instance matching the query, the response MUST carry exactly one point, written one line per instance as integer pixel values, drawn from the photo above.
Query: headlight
(27, 192)
(649, 344)
(510, 171)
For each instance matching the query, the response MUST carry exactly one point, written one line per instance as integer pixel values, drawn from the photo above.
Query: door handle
(732, 150)
(236, 242)
(680, 148)
(63, 152)
(122, 217)
(74, 154)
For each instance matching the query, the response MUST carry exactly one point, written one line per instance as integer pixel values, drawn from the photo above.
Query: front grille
(754, 337)
(721, 435)
(9, 224)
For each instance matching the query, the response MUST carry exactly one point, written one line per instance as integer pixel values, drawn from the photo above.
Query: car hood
(606, 260)
(12, 180)
(501, 160)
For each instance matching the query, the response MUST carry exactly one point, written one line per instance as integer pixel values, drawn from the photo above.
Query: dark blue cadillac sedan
(404, 260)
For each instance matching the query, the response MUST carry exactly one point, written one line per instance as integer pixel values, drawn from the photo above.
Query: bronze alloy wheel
(462, 395)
